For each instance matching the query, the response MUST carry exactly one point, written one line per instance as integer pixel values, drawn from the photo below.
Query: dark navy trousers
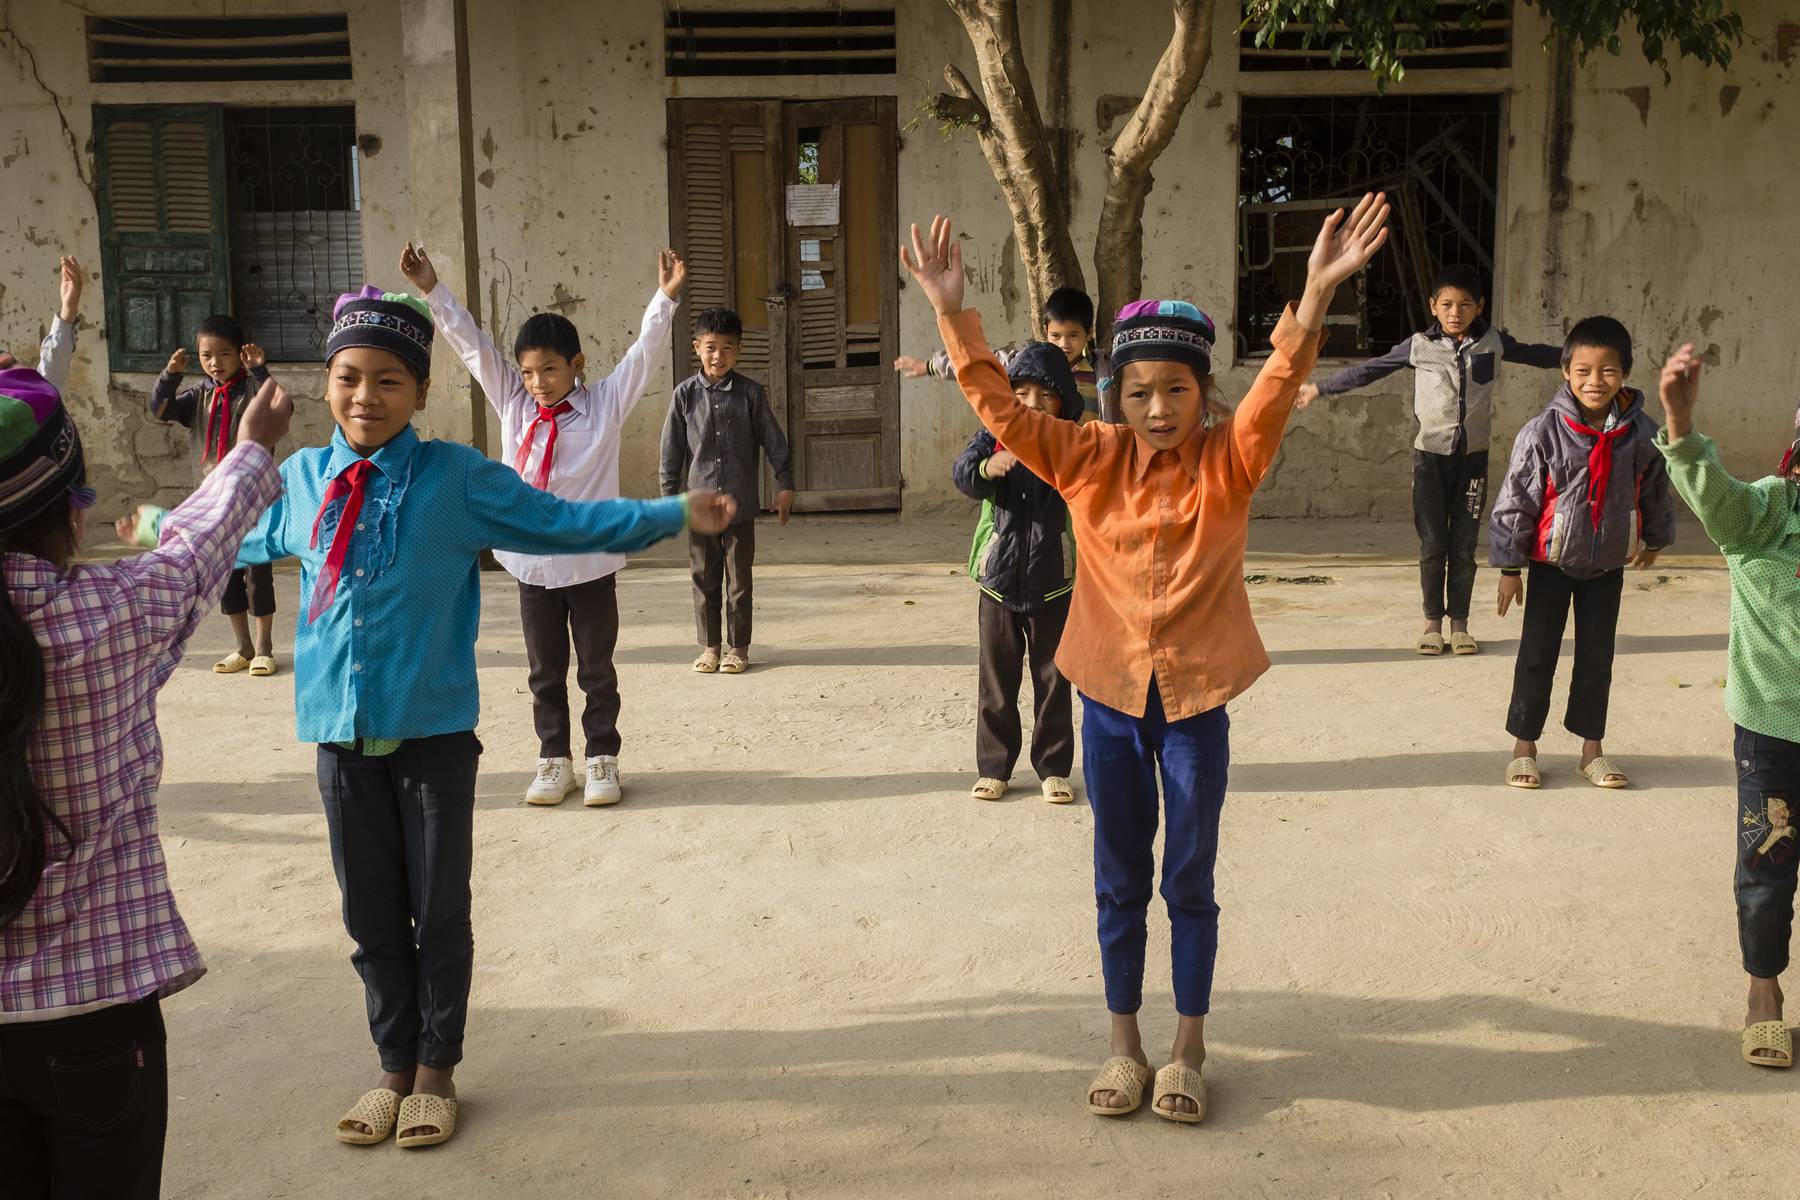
(1122, 757)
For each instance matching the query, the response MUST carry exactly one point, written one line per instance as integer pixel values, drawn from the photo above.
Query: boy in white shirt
(561, 433)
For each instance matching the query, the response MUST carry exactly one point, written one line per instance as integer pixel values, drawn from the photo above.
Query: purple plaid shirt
(103, 928)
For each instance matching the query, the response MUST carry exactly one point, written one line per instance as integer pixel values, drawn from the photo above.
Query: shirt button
(359, 572)
(359, 622)
(1152, 642)
(360, 525)
(356, 666)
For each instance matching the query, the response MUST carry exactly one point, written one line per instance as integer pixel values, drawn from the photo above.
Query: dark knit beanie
(40, 453)
(397, 323)
(1162, 331)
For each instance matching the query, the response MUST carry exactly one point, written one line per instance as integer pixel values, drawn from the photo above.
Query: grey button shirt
(712, 436)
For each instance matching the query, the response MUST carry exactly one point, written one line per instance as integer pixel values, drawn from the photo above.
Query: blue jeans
(1121, 756)
(1768, 771)
(402, 831)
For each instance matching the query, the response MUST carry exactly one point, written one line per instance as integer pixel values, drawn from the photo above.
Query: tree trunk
(1013, 140)
(1119, 243)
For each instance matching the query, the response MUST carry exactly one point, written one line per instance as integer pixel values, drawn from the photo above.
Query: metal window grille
(1456, 46)
(1437, 158)
(814, 41)
(294, 210)
(204, 49)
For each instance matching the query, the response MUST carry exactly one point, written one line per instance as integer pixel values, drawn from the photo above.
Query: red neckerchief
(349, 483)
(544, 415)
(219, 408)
(1599, 461)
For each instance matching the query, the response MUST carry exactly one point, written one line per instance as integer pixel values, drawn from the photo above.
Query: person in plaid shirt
(90, 939)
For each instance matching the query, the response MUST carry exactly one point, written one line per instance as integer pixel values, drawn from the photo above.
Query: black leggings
(84, 1103)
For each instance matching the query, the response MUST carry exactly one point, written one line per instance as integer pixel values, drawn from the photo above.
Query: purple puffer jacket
(1545, 510)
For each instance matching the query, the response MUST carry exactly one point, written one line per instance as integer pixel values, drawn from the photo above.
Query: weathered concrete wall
(1674, 221)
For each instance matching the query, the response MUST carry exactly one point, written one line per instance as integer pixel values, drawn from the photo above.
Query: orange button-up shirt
(1160, 593)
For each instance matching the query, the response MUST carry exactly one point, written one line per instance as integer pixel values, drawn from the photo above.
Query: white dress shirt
(57, 352)
(586, 463)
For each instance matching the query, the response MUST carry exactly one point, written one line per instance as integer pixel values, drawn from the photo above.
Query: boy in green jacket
(1757, 525)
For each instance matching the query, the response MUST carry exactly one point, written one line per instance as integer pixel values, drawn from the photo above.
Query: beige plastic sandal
(733, 663)
(375, 1112)
(988, 789)
(1058, 790)
(1773, 1036)
(1127, 1076)
(707, 663)
(1180, 1080)
(1601, 773)
(231, 664)
(1429, 644)
(262, 664)
(1522, 772)
(1462, 643)
(420, 1111)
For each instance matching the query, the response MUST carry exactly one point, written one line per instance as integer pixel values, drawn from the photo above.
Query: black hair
(1070, 304)
(221, 325)
(721, 322)
(1598, 333)
(548, 331)
(1460, 276)
(25, 816)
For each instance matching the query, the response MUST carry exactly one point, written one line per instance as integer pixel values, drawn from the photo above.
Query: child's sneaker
(555, 779)
(602, 786)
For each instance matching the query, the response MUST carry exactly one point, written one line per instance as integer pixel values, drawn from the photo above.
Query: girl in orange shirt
(1159, 635)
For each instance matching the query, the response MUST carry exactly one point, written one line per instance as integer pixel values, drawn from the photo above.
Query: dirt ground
(799, 961)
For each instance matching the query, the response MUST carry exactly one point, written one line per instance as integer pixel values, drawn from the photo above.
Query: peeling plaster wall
(47, 206)
(1673, 222)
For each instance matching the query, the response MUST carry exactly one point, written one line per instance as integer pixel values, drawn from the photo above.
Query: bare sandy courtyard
(800, 961)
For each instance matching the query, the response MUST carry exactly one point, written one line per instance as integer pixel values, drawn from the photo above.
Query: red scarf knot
(349, 483)
(546, 414)
(218, 410)
(1599, 461)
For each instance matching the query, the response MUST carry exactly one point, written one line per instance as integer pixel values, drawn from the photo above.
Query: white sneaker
(555, 779)
(602, 781)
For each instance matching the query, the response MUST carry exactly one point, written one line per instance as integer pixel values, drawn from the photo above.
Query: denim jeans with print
(1768, 771)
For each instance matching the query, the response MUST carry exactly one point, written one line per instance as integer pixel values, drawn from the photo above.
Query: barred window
(1437, 157)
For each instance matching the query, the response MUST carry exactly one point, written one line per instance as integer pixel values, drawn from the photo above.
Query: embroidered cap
(1162, 331)
(40, 452)
(391, 321)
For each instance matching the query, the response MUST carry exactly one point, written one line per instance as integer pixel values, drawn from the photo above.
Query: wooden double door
(786, 211)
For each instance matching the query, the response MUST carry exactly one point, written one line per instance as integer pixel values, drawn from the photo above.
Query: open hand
(936, 266)
(1345, 247)
(912, 368)
(126, 527)
(70, 290)
(1644, 559)
(1000, 462)
(267, 415)
(784, 505)
(178, 362)
(1308, 393)
(1679, 387)
(253, 355)
(671, 273)
(1512, 591)
(710, 511)
(415, 264)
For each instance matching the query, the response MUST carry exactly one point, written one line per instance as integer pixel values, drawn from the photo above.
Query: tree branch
(1119, 244)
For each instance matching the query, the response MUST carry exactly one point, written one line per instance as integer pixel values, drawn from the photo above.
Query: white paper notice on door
(812, 204)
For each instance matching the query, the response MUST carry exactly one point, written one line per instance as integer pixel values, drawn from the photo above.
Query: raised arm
(57, 350)
(1740, 517)
(624, 386)
(168, 402)
(492, 371)
(1530, 354)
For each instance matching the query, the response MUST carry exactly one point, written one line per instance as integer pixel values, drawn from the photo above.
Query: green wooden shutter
(163, 255)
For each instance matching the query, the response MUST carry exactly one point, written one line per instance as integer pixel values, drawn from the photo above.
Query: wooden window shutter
(162, 227)
(718, 171)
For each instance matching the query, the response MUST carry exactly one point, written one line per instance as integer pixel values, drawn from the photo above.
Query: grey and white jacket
(1453, 381)
(1546, 510)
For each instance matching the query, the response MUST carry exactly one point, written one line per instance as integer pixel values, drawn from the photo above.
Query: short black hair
(1460, 276)
(1598, 333)
(1070, 304)
(721, 322)
(548, 331)
(221, 325)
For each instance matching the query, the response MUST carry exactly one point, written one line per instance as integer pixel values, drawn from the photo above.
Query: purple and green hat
(40, 453)
(391, 321)
(1163, 331)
